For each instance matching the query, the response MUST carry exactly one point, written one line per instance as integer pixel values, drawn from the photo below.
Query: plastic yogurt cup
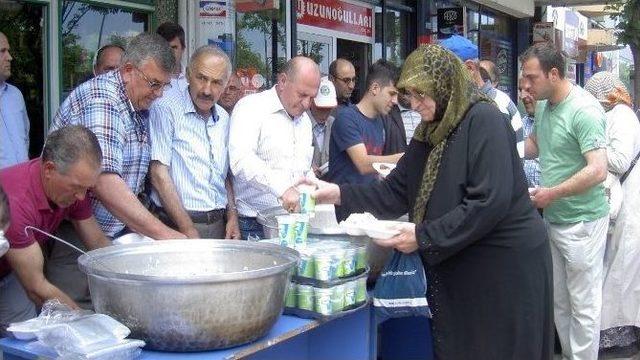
(361, 258)
(361, 290)
(350, 293)
(323, 301)
(306, 295)
(286, 232)
(305, 265)
(337, 298)
(325, 266)
(292, 294)
(349, 262)
(307, 202)
(301, 229)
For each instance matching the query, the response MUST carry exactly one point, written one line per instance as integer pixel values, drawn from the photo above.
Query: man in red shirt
(42, 192)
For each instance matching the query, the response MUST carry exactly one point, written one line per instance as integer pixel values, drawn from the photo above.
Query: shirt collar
(486, 87)
(189, 108)
(35, 175)
(275, 103)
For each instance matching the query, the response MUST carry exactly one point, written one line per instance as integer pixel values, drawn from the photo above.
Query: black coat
(483, 244)
(395, 136)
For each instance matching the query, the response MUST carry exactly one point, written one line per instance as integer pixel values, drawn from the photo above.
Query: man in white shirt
(189, 132)
(270, 143)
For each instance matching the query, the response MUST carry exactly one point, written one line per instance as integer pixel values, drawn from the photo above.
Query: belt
(207, 217)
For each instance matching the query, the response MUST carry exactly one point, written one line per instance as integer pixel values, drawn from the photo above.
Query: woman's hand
(326, 192)
(405, 242)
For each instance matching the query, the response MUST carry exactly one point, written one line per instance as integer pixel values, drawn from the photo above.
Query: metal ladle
(26, 228)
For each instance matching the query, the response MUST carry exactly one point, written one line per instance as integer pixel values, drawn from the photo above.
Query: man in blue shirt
(189, 168)
(14, 122)
(357, 135)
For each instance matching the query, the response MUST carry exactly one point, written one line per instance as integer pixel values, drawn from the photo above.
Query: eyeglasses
(348, 80)
(153, 85)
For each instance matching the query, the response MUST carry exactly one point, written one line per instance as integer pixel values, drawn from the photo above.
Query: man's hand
(232, 228)
(291, 200)
(171, 234)
(405, 242)
(542, 197)
(326, 192)
(191, 233)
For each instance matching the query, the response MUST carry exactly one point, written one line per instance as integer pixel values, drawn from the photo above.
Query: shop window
(317, 47)
(24, 25)
(497, 44)
(85, 28)
(398, 42)
(261, 47)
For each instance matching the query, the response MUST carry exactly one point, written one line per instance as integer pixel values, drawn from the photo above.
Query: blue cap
(461, 46)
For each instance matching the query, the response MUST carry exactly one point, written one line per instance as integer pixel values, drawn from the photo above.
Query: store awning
(592, 11)
(568, 3)
(602, 40)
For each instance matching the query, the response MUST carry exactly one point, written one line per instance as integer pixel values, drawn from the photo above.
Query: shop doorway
(359, 53)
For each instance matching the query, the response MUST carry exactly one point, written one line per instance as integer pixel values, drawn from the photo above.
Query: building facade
(54, 41)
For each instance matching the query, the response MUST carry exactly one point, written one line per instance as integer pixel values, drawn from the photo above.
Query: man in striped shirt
(189, 168)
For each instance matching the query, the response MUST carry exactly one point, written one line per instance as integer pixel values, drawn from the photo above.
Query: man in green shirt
(569, 138)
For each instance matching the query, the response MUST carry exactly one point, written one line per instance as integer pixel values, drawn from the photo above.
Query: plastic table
(346, 337)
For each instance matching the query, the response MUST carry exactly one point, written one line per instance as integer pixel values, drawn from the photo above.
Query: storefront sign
(244, 6)
(543, 32)
(450, 22)
(336, 15)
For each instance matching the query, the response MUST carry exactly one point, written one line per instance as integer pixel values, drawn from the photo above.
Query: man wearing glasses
(343, 76)
(115, 108)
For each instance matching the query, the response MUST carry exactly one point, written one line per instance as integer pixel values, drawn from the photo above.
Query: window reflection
(261, 38)
(23, 25)
(86, 28)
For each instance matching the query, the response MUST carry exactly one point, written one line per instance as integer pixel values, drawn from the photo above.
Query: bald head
(343, 75)
(108, 58)
(298, 84)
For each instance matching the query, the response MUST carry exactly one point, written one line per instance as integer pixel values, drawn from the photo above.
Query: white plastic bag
(83, 335)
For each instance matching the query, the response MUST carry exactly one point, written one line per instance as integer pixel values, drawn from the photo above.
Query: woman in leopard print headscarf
(484, 246)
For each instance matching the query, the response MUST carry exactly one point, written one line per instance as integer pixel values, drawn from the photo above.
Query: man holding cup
(270, 143)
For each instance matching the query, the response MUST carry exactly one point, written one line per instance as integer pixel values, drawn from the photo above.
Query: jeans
(249, 228)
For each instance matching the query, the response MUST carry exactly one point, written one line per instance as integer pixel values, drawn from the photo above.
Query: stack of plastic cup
(301, 229)
(286, 231)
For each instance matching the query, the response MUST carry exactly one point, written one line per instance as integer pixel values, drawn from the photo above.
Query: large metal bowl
(191, 295)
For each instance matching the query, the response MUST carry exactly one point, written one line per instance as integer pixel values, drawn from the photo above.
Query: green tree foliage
(627, 16)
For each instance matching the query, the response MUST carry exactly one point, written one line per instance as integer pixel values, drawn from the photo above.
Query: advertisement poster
(543, 32)
(450, 22)
(571, 26)
(216, 25)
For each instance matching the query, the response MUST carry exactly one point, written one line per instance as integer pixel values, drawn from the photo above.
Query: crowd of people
(522, 222)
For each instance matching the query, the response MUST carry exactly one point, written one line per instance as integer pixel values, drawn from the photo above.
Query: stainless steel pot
(191, 295)
(267, 218)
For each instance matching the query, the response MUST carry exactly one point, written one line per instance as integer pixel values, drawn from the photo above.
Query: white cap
(326, 97)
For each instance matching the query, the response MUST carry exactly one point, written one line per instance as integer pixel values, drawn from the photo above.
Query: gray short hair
(145, 46)
(211, 50)
(67, 145)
